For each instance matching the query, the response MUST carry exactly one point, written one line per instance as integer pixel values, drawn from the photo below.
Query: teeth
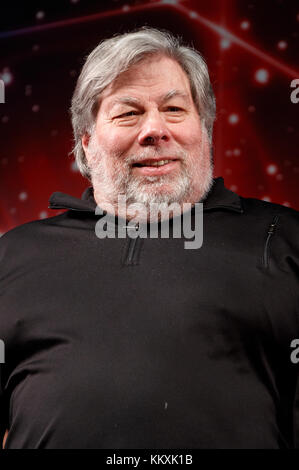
(160, 163)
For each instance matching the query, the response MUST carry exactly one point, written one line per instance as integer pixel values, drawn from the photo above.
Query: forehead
(149, 79)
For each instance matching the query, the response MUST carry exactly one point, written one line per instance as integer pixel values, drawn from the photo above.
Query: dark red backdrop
(252, 53)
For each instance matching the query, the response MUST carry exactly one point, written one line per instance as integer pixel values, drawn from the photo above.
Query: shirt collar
(219, 197)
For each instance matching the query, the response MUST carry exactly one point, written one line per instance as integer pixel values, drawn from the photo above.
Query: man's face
(147, 115)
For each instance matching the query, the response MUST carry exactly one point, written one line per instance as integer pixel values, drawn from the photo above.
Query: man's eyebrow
(174, 94)
(131, 101)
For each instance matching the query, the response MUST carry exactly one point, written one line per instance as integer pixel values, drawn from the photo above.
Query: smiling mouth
(154, 163)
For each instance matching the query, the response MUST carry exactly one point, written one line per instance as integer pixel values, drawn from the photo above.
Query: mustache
(120, 158)
(147, 154)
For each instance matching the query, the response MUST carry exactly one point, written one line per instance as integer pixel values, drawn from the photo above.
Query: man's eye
(128, 114)
(174, 109)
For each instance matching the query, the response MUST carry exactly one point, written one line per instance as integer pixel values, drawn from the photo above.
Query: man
(136, 342)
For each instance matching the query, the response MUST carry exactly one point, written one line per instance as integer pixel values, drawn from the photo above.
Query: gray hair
(116, 55)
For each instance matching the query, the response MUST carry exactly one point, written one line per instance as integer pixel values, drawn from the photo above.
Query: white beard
(117, 178)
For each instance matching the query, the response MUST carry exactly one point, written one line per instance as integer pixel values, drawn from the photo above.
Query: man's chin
(160, 196)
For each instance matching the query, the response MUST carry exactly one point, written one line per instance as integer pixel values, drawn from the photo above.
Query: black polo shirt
(140, 343)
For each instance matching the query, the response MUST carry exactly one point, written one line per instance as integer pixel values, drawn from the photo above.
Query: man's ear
(85, 141)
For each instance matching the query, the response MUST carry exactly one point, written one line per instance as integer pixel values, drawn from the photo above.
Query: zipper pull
(271, 228)
(270, 232)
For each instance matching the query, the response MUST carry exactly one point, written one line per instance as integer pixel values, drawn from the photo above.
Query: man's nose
(154, 130)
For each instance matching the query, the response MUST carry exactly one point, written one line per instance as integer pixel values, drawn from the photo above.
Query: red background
(251, 48)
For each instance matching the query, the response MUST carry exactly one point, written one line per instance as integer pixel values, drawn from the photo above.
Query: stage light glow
(6, 76)
(40, 15)
(233, 118)
(225, 43)
(245, 25)
(282, 45)
(23, 196)
(262, 76)
(271, 169)
(74, 167)
(28, 90)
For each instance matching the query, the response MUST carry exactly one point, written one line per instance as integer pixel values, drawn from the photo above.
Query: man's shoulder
(261, 207)
(274, 217)
(30, 230)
